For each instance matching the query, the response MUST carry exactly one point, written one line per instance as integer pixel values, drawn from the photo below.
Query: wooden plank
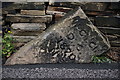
(63, 4)
(33, 12)
(58, 10)
(28, 18)
(113, 37)
(115, 43)
(115, 6)
(108, 30)
(31, 5)
(100, 13)
(23, 39)
(29, 26)
(95, 6)
(26, 33)
(10, 11)
(113, 21)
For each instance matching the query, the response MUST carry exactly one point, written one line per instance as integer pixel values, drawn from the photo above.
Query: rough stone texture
(74, 39)
(72, 71)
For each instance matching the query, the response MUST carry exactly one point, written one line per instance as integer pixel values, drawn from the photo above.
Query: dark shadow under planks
(113, 21)
(109, 30)
(26, 33)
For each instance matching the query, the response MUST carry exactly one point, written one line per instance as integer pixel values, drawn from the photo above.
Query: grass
(101, 59)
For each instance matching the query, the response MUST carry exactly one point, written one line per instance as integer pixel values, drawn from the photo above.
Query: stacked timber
(26, 20)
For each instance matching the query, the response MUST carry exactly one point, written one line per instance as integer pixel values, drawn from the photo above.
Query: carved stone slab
(74, 39)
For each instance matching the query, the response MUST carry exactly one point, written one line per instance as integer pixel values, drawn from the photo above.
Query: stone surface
(28, 18)
(62, 72)
(28, 26)
(74, 39)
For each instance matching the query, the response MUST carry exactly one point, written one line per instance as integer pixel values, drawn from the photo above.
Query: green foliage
(7, 45)
(101, 59)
